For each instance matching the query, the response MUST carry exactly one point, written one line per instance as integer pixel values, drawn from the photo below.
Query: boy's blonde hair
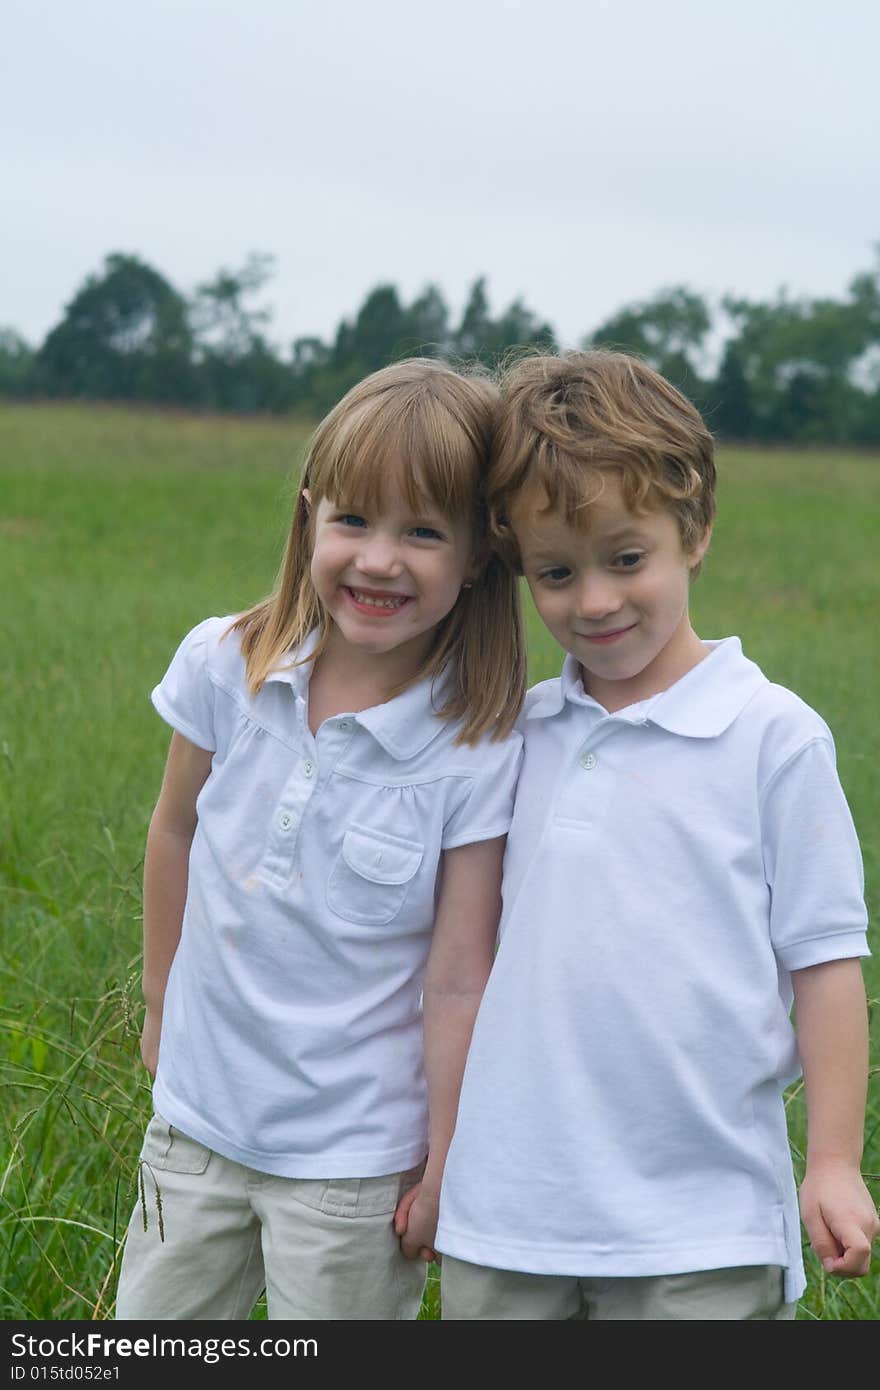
(426, 428)
(567, 420)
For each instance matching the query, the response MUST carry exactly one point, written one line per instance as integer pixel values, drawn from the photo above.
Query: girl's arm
(832, 1029)
(166, 867)
(462, 951)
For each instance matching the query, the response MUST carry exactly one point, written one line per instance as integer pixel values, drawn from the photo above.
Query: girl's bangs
(419, 451)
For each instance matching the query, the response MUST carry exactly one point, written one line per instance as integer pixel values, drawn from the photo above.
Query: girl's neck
(345, 680)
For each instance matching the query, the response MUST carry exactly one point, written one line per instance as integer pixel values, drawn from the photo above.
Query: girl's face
(387, 575)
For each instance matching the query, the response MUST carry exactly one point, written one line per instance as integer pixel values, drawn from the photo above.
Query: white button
(589, 761)
(308, 768)
(285, 821)
(344, 725)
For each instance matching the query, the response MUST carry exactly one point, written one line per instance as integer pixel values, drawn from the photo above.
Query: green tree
(517, 327)
(224, 322)
(668, 331)
(124, 335)
(238, 369)
(383, 331)
(864, 293)
(16, 364)
(732, 415)
(471, 338)
(376, 336)
(481, 337)
(426, 324)
(798, 358)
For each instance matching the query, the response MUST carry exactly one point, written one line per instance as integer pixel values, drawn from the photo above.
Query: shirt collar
(297, 677)
(408, 723)
(403, 726)
(702, 704)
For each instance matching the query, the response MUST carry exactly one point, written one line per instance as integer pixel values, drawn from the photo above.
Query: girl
(327, 846)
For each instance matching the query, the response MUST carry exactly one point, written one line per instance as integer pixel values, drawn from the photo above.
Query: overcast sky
(581, 154)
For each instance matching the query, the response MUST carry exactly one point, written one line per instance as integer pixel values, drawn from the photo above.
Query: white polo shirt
(292, 1029)
(667, 867)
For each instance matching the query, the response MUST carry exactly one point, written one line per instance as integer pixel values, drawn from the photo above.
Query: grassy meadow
(118, 531)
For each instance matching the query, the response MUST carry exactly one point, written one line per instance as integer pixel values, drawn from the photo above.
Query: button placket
(288, 817)
(606, 728)
(304, 783)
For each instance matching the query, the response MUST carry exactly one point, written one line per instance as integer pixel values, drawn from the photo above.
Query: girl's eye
(557, 575)
(426, 533)
(629, 559)
(349, 519)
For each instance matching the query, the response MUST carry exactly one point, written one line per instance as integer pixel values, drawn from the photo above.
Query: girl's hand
(415, 1221)
(150, 1041)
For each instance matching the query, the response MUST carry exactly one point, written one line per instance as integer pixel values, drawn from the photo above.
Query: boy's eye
(426, 533)
(629, 559)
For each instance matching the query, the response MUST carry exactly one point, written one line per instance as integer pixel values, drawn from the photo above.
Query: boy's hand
(150, 1040)
(840, 1218)
(415, 1221)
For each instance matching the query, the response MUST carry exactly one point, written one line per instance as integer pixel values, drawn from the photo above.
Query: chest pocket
(372, 875)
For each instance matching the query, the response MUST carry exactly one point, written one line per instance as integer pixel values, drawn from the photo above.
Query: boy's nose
(597, 597)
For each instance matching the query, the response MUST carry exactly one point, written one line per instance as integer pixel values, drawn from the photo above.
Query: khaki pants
(477, 1292)
(219, 1233)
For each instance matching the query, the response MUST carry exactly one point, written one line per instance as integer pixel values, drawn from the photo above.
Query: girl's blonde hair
(427, 428)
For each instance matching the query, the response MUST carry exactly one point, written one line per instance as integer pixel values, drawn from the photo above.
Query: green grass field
(120, 530)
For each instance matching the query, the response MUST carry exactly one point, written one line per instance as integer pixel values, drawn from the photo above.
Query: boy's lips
(610, 635)
(378, 603)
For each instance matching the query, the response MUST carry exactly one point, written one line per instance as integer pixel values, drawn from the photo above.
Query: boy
(681, 863)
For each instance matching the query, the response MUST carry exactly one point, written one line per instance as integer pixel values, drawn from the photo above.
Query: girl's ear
(307, 498)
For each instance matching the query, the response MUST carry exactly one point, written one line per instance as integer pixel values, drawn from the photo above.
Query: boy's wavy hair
(425, 428)
(568, 420)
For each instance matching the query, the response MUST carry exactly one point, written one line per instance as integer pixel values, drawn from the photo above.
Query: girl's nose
(378, 555)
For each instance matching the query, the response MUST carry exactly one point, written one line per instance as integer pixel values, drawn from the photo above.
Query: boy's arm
(166, 868)
(832, 1030)
(462, 951)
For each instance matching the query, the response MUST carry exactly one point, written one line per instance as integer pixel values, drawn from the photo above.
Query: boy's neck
(678, 657)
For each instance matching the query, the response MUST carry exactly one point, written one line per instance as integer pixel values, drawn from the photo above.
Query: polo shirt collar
(406, 724)
(702, 704)
(403, 726)
(297, 677)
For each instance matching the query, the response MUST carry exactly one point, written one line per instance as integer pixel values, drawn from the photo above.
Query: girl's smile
(376, 602)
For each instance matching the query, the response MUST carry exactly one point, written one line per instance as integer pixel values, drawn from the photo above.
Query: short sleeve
(484, 809)
(813, 863)
(185, 695)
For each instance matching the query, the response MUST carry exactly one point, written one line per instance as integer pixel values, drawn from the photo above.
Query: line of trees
(794, 369)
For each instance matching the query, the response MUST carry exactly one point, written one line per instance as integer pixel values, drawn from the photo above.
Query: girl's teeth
(378, 602)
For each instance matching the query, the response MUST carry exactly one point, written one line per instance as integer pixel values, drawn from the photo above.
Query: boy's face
(615, 596)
